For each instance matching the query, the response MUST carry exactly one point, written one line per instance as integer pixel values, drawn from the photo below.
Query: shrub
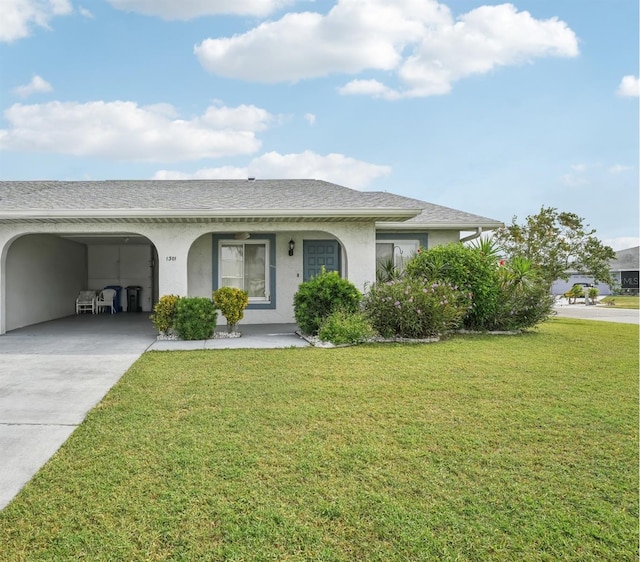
(317, 298)
(469, 270)
(195, 318)
(342, 327)
(576, 292)
(593, 294)
(524, 300)
(164, 313)
(231, 302)
(415, 308)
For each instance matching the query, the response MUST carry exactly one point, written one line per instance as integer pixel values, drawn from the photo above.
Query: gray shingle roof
(627, 259)
(438, 215)
(215, 197)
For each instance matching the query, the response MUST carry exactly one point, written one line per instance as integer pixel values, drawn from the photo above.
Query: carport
(46, 270)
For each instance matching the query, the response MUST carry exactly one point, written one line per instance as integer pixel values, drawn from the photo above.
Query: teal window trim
(271, 240)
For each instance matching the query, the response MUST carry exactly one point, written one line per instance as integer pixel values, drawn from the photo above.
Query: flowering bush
(164, 313)
(470, 269)
(415, 308)
(231, 302)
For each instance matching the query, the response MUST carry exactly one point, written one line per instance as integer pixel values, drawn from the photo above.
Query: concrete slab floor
(51, 375)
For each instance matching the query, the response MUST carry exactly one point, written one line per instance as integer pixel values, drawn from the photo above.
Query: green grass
(475, 448)
(622, 301)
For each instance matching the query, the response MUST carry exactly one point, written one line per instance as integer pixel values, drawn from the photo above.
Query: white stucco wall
(443, 237)
(200, 267)
(122, 265)
(184, 260)
(358, 261)
(43, 277)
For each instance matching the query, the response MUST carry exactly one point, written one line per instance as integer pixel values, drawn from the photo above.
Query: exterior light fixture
(292, 245)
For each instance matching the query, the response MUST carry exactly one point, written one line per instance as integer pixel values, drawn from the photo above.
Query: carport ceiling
(107, 239)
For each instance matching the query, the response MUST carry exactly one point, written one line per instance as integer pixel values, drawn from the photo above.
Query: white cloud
(310, 118)
(189, 9)
(622, 242)
(36, 86)
(582, 175)
(371, 88)
(575, 180)
(85, 13)
(417, 40)
(124, 131)
(619, 169)
(335, 168)
(354, 36)
(629, 87)
(18, 16)
(221, 173)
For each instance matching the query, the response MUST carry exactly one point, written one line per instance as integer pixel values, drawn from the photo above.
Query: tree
(556, 243)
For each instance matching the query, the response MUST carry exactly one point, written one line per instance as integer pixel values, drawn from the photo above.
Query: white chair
(86, 302)
(105, 300)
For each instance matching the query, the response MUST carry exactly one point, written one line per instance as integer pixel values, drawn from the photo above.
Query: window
(245, 265)
(396, 252)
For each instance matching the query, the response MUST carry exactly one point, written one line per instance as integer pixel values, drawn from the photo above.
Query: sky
(496, 109)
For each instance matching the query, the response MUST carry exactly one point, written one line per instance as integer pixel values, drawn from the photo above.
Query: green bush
(415, 308)
(342, 327)
(576, 292)
(525, 300)
(164, 313)
(195, 318)
(467, 269)
(231, 302)
(317, 298)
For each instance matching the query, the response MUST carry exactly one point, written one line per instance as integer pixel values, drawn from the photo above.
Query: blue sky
(492, 108)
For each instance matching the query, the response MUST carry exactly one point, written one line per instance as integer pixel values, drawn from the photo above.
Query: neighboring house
(191, 237)
(624, 270)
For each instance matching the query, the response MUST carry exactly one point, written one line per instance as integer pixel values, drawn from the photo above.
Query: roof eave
(395, 214)
(438, 226)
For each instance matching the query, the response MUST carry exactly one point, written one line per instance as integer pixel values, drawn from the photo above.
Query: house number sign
(171, 258)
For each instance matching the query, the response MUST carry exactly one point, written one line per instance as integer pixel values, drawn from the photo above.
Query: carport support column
(5, 239)
(172, 266)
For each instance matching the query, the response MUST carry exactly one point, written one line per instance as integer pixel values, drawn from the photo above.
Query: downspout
(473, 236)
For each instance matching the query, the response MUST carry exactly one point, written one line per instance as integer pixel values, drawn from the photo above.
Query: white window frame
(243, 243)
(395, 243)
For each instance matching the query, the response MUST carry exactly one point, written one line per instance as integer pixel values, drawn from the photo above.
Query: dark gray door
(318, 253)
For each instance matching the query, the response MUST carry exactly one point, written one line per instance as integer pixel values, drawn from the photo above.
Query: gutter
(473, 236)
(373, 213)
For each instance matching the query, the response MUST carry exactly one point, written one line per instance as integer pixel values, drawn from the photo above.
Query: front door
(318, 253)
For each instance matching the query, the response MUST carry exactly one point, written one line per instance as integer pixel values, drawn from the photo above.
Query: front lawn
(475, 448)
(622, 301)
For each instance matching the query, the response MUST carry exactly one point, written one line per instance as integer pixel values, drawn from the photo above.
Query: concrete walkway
(52, 374)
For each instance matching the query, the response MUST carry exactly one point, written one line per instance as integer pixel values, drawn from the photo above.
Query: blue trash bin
(117, 303)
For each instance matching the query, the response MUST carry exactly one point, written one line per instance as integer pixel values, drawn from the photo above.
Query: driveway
(598, 312)
(52, 374)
